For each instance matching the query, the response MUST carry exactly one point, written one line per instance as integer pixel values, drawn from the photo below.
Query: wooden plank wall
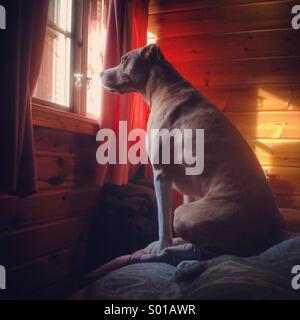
(244, 55)
(44, 238)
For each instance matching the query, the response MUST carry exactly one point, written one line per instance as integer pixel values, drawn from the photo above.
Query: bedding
(186, 272)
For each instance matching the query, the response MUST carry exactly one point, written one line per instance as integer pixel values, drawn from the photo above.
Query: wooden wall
(244, 55)
(44, 238)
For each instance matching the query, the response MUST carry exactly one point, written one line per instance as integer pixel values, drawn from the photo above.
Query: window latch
(79, 78)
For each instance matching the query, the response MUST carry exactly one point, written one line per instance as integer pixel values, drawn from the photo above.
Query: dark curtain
(20, 57)
(126, 27)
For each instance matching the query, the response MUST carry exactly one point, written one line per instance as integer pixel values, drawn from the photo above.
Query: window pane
(60, 13)
(54, 79)
(96, 39)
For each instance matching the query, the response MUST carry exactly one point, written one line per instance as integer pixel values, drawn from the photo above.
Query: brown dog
(234, 211)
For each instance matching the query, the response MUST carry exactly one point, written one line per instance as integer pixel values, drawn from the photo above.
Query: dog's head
(133, 71)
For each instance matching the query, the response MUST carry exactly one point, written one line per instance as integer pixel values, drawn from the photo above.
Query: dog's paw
(156, 247)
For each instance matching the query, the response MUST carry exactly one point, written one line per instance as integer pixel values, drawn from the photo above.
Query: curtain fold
(20, 57)
(126, 30)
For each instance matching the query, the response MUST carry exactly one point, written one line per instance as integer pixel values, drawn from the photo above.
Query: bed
(189, 273)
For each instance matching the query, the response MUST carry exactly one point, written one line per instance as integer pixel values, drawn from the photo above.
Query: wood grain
(277, 152)
(289, 201)
(244, 56)
(222, 19)
(248, 45)
(284, 180)
(255, 98)
(62, 171)
(163, 6)
(48, 206)
(63, 120)
(42, 272)
(26, 244)
(64, 143)
(275, 125)
(236, 73)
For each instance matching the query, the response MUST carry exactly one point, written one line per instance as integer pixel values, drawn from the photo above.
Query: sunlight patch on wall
(269, 101)
(277, 134)
(276, 124)
(265, 127)
(277, 152)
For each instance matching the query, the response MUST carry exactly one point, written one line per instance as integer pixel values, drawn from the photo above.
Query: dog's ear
(151, 51)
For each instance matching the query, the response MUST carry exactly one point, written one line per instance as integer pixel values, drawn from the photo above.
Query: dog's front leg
(163, 191)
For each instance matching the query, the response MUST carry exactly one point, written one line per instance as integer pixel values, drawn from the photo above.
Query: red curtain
(20, 57)
(126, 30)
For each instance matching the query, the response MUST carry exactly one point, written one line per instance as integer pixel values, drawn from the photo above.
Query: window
(72, 58)
(55, 76)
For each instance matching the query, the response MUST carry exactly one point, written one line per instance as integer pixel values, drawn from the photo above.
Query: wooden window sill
(64, 120)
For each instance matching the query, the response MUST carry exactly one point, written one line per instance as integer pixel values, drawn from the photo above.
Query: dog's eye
(123, 60)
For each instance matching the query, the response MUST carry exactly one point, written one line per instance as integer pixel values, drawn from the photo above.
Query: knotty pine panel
(261, 72)
(24, 245)
(277, 152)
(222, 19)
(47, 206)
(274, 125)
(64, 172)
(248, 45)
(255, 98)
(163, 6)
(44, 271)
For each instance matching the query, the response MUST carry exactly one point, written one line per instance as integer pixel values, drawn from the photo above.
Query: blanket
(187, 272)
